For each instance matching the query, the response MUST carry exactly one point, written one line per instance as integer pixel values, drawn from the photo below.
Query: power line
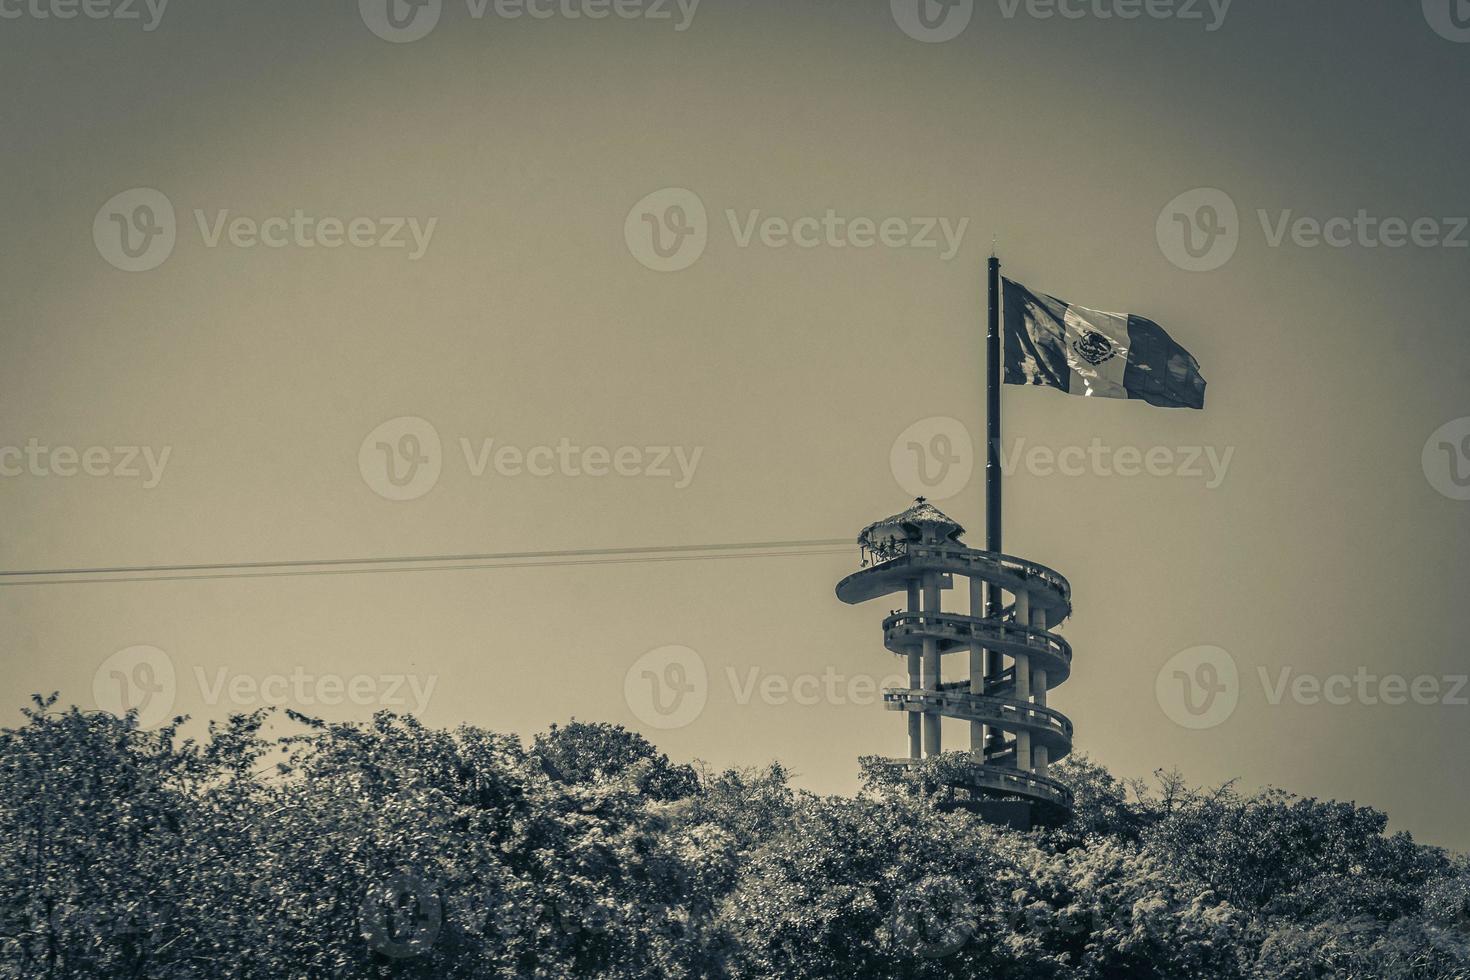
(413, 568)
(572, 553)
(412, 563)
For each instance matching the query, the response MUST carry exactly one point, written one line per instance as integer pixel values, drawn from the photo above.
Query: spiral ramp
(1013, 659)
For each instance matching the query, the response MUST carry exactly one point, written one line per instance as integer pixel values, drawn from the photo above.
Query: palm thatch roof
(910, 524)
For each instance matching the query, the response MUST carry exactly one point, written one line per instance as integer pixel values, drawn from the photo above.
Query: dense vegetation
(394, 850)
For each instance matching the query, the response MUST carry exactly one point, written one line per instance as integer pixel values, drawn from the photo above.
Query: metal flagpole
(992, 416)
(995, 739)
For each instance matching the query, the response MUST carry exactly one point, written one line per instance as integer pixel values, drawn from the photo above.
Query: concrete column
(1038, 676)
(1023, 664)
(1023, 693)
(1023, 750)
(1023, 661)
(977, 668)
(916, 750)
(1038, 622)
(1023, 681)
(994, 737)
(1041, 755)
(930, 676)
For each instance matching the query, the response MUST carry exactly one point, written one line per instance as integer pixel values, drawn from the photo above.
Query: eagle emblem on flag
(1094, 348)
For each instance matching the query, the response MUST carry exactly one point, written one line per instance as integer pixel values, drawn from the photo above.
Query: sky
(257, 252)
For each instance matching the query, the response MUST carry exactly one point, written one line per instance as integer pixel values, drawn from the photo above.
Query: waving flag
(1051, 342)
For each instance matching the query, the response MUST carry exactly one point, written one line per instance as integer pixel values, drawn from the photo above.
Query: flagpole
(992, 419)
(993, 739)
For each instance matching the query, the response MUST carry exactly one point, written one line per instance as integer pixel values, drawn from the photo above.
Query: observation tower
(1013, 660)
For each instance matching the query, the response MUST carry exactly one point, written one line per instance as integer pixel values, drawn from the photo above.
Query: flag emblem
(1094, 348)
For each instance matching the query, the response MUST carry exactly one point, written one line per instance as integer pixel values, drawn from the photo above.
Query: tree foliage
(392, 850)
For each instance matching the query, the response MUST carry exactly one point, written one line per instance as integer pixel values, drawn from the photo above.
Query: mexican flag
(1051, 342)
